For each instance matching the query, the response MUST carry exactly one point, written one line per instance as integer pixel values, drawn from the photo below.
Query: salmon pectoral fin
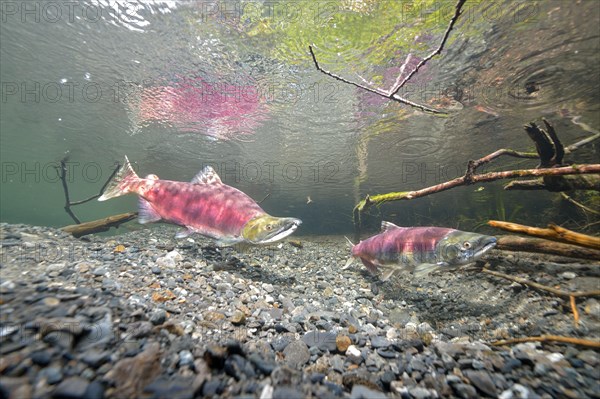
(426, 268)
(146, 212)
(370, 265)
(388, 273)
(186, 232)
(229, 241)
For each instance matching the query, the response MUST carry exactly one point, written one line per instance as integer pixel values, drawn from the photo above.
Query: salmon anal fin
(147, 214)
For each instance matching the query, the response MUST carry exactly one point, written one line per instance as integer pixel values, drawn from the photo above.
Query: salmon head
(462, 247)
(266, 229)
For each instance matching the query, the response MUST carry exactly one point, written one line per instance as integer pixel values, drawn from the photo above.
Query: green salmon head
(267, 229)
(460, 247)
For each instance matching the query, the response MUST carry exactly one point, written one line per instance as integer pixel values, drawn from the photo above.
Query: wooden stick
(538, 286)
(539, 245)
(96, 226)
(392, 94)
(546, 338)
(578, 204)
(471, 178)
(68, 202)
(574, 309)
(553, 232)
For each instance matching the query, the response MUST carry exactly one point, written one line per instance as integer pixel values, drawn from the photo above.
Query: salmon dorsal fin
(385, 226)
(207, 176)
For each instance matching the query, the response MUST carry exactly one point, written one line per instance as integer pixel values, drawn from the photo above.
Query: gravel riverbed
(145, 315)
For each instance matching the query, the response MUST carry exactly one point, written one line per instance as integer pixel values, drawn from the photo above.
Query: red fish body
(205, 205)
(420, 248)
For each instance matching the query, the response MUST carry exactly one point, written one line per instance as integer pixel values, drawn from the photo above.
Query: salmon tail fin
(120, 183)
(351, 259)
(349, 242)
(349, 263)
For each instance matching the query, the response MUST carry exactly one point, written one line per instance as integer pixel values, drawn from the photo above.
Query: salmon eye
(467, 244)
(269, 227)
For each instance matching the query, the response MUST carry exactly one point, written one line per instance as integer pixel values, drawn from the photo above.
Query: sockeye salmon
(205, 205)
(419, 249)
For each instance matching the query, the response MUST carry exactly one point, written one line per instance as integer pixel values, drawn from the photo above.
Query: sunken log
(553, 232)
(100, 225)
(539, 245)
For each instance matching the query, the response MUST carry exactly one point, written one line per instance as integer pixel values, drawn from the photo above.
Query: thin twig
(63, 178)
(392, 93)
(265, 197)
(68, 203)
(585, 208)
(457, 12)
(379, 92)
(538, 286)
(545, 338)
(574, 309)
(93, 197)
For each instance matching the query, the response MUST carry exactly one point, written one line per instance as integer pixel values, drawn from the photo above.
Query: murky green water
(178, 85)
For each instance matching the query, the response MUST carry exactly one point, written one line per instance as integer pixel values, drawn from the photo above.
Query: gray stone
(186, 358)
(322, 340)
(420, 393)
(465, 391)
(296, 354)
(362, 392)
(380, 342)
(100, 271)
(71, 388)
(53, 375)
(158, 317)
(482, 381)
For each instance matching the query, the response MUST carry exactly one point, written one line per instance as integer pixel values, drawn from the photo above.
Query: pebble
(342, 343)
(71, 388)
(482, 381)
(320, 339)
(380, 342)
(362, 392)
(296, 354)
(238, 318)
(231, 331)
(568, 275)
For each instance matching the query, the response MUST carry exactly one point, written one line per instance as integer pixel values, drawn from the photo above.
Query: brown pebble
(51, 301)
(342, 342)
(352, 329)
(238, 318)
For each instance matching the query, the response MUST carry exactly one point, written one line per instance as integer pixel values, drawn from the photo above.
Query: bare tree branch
(457, 12)
(68, 202)
(392, 93)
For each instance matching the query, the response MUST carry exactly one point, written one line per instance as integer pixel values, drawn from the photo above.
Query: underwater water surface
(178, 85)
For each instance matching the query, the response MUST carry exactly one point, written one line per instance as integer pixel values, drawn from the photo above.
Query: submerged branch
(68, 202)
(100, 225)
(549, 338)
(471, 178)
(579, 204)
(542, 287)
(553, 232)
(539, 245)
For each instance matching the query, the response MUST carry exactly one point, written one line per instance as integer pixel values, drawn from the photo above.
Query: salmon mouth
(489, 244)
(288, 226)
